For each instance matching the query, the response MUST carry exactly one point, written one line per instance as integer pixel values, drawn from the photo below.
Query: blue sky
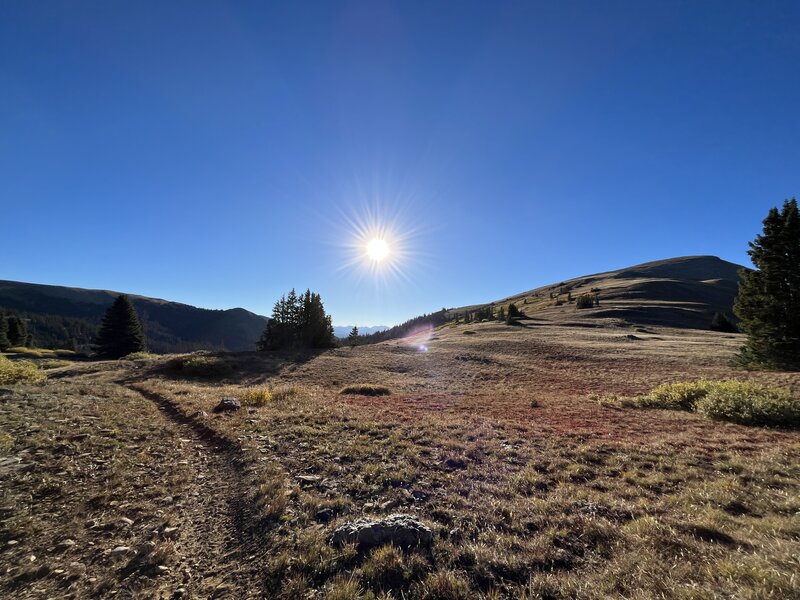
(221, 153)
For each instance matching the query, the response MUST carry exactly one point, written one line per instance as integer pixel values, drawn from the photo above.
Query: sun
(377, 249)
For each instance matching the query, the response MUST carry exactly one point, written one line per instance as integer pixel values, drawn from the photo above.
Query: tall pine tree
(4, 343)
(768, 304)
(17, 331)
(352, 339)
(298, 321)
(120, 332)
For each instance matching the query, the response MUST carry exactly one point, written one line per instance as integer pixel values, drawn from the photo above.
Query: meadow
(529, 452)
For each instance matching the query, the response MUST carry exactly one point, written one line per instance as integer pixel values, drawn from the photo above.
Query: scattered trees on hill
(434, 319)
(298, 322)
(768, 304)
(120, 332)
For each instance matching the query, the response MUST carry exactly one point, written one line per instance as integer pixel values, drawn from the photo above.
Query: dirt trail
(218, 547)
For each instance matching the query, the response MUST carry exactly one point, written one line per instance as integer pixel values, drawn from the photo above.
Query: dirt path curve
(218, 546)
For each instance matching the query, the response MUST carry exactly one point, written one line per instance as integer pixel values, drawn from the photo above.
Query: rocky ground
(517, 471)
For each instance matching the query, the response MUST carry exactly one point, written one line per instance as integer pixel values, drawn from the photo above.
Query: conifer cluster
(298, 321)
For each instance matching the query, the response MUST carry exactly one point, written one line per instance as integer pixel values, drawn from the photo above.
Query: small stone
(307, 480)
(170, 533)
(65, 545)
(199, 414)
(162, 569)
(228, 405)
(126, 521)
(120, 550)
(12, 542)
(419, 495)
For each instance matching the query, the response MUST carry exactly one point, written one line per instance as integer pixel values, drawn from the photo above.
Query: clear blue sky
(216, 153)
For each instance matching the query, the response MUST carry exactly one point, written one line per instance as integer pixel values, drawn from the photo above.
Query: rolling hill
(676, 292)
(69, 317)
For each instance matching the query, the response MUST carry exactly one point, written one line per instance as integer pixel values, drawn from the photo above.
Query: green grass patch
(140, 356)
(366, 389)
(207, 367)
(744, 402)
(256, 396)
(19, 371)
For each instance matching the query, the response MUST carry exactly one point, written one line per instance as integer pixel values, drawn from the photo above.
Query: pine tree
(353, 337)
(768, 304)
(17, 331)
(120, 332)
(4, 342)
(298, 321)
(721, 322)
(501, 314)
(513, 314)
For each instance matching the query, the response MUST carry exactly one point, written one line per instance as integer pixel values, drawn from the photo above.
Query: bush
(256, 396)
(585, 301)
(744, 402)
(19, 371)
(676, 396)
(366, 389)
(750, 403)
(206, 366)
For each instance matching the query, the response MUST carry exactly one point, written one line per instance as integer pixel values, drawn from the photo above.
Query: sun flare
(377, 249)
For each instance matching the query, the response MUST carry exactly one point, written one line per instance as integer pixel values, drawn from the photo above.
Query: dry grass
(532, 489)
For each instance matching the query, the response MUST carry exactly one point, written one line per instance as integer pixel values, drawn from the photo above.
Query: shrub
(469, 332)
(19, 371)
(585, 301)
(676, 396)
(750, 403)
(206, 366)
(256, 396)
(721, 322)
(366, 389)
(744, 402)
(31, 352)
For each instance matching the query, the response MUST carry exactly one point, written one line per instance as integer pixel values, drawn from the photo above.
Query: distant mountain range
(342, 331)
(676, 292)
(63, 317)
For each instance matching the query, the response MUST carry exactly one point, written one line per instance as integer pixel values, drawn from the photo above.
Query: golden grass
(19, 371)
(366, 389)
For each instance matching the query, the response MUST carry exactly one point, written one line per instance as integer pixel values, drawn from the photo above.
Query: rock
(324, 515)
(307, 480)
(162, 569)
(199, 414)
(403, 531)
(228, 405)
(126, 521)
(65, 545)
(120, 550)
(179, 593)
(171, 533)
(419, 495)
(12, 542)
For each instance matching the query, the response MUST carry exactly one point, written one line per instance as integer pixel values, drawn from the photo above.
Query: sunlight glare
(377, 249)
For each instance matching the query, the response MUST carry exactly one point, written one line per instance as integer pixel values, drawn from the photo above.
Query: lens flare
(419, 337)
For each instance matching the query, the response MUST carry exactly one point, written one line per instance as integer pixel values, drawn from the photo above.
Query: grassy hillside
(58, 315)
(676, 292)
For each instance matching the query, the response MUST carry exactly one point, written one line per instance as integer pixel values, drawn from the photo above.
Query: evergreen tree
(353, 337)
(120, 331)
(17, 331)
(501, 314)
(4, 342)
(721, 322)
(768, 304)
(513, 314)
